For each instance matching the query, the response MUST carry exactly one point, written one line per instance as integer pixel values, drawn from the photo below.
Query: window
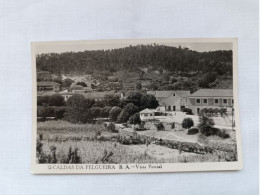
(205, 101)
(181, 101)
(224, 101)
(174, 94)
(216, 101)
(198, 101)
(232, 101)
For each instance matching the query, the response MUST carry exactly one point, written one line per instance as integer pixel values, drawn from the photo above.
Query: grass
(64, 137)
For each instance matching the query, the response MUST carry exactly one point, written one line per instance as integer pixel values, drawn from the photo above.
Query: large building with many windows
(211, 98)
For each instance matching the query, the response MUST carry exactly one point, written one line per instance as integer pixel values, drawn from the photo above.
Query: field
(63, 142)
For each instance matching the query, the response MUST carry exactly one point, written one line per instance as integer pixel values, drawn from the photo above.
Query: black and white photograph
(130, 106)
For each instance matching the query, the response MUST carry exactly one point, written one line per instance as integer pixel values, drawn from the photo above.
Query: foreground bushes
(51, 111)
(193, 131)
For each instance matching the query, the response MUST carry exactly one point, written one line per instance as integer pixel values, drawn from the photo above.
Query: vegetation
(141, 100)
(133, 58)
(193, 131)
(187, 123)
(114, 112)
(78, 109)
(206, 125)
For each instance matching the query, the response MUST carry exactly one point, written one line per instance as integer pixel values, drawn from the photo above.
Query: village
(173, 107)
(170, 122)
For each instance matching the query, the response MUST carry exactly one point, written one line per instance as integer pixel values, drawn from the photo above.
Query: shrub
(193, 131)
(95, 112)
(105, 111)
(78, 109)
(131, 108)
(187, 111)
(56, 100)
(111, 127)
(114, 112)
(135, 119)
(223, 134)
(59, 112)
(187, 123)
(123, 116)
(206, 125)
(160, 127)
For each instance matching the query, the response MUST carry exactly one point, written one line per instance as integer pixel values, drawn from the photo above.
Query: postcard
(135, 106)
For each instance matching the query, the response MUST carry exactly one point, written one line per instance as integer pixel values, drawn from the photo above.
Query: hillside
(153, 66)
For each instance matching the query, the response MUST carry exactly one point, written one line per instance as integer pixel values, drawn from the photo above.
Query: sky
(76, 46)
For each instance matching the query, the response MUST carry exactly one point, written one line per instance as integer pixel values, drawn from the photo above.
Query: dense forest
(133, 58)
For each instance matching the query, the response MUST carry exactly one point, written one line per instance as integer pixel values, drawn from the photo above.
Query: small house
(146, 114)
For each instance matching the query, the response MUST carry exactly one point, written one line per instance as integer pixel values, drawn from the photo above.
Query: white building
(146, 114)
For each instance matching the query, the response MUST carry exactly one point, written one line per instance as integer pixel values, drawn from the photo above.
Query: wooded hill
(133, 58)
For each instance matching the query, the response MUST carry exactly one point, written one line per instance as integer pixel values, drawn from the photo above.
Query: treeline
(134, 57)
(79, 109)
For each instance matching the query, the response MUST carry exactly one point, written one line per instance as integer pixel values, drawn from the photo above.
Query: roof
(213, 93)
(146, 111)
(98, 95)
(46, 93)
(67, 93)
(76, 87)
(91, 95)
(46, 83)
(168, 93)
(68, 79)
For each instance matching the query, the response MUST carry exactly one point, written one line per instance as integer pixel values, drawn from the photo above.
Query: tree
(187, 123)
(142, 100)
(123, 116)
(135, 119)
(208, 78)
(206, 124)
(56, 100)
(83, 84)
(141, 74)
(131, 108)
(166, 78)
(111, 100)
(99, 103)
(43, 100)
(78, 109)
(138, 86)
(95, 112)
(150, 101)
(173, 80)
(152, 86)
(59, 112)
(114, 112)
(105, 111)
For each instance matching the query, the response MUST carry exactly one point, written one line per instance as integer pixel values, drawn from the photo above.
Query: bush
(223, 134)
(123, 116)
(187, 123)
(187, 111)
(114, 112)
(193, 131)
(105, 111)
(206, 125)
(160, 127)
(111, 127)
(56, 100)
(131, 108)
(59, 112)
